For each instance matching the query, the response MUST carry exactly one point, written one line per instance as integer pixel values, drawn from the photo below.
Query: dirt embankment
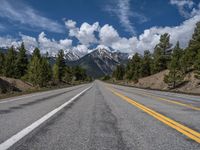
(154, 81)
(13, 85)
(190, 85)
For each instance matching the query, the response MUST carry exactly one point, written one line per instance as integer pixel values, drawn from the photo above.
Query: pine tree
(175, 75)
(10, 63)
(191, 52)
(165, 44)
(119, 72)
(185, 65)
(36, 53)
(60, 62)
(39, 70)
(56, 73)
(128, 70)
(133, 69)
(45, 73)
(21, 62)
(146, 64)
(68, 74)
(34, 70)
(162, 53)
(194, 46)
(79, 73)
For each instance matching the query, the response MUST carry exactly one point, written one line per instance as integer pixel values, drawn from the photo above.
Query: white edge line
(27, 96)
(7, 100)
(17, 137)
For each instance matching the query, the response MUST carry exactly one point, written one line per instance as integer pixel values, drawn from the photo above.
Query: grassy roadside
(13, 94)
(152, 89)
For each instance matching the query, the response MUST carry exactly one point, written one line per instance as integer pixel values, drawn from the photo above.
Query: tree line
(177, 60)
(36, 69)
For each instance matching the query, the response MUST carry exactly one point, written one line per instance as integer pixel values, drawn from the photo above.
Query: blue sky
(81, 25)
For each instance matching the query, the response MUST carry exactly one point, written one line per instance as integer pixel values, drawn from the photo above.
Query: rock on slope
(10, 84)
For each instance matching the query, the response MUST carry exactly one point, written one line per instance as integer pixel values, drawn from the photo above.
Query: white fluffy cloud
(106, 36)
(29, 42)
(110, 38)
(42, 42)
(80, 50)
(182, 33)
(8, 42)
(52, 46)
(85, 34)
(149, 38)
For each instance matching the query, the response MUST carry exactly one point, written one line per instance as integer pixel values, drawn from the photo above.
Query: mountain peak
(102, 53)
(71, 55)
(100, 62)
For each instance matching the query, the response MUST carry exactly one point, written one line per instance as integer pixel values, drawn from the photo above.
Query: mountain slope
(71, 55)
(100, 62)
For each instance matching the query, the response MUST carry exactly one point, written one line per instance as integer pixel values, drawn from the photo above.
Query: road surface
(100, 116)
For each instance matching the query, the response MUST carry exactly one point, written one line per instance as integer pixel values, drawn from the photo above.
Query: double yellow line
(170, 101)
(175, 125)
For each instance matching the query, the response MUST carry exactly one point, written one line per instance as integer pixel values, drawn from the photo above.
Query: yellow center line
(167, 100)
(171, 101)
(173, 124)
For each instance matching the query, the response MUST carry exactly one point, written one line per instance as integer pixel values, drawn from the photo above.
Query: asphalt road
(101, 116)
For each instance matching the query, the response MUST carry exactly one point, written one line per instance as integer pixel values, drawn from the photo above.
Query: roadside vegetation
(176, 60)
(37, 70)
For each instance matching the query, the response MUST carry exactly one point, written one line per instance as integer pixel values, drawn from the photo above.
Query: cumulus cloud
(8, 42)
(42, 42)
(109, 37)
(80, 50)
(85, 34)
(52, 46)
(24, 14)
(29, 42)
(182, 33)
(149, 38)
(106, 36)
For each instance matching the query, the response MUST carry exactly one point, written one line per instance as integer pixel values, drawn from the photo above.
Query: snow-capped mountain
(100, 62)
(97, 63)
(71, 55)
